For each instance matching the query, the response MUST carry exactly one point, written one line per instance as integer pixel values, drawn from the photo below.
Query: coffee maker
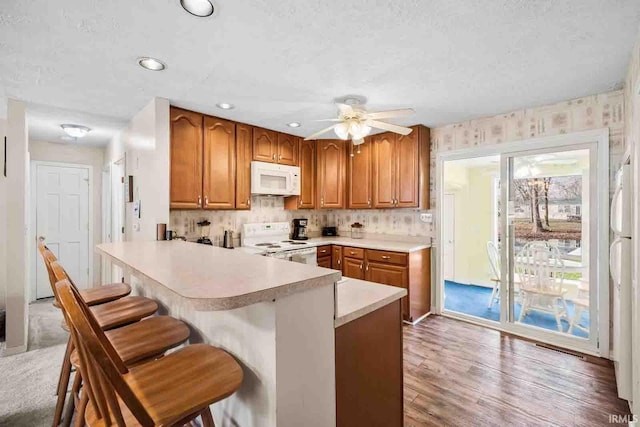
(300, 229)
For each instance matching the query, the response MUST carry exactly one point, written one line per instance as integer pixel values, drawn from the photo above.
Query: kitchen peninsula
(277, 318)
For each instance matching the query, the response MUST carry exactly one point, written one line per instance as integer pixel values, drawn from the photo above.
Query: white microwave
(275, 180)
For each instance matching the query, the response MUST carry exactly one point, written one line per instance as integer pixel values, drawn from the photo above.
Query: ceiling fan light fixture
(151, 64)
(199, 8)
(75, 131)
(342, 130)
(359, 130)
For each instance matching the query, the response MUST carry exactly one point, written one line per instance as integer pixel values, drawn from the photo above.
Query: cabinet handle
(367, 267)
(321, 201)
(199, 200)
(339, 261)
(369, 202)
(280, 157)
(249, 201)
(301, 201)
(324, 251)
(385, 257)
(273, 156)
(352, 253)
(361, 265)
(206, 200)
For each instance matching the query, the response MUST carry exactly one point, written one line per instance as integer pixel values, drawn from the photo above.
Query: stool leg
(67, 355)
(207, 418)
(71, 404)
(82, 406)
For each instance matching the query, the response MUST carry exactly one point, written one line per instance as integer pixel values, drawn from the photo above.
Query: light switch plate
(426, 217)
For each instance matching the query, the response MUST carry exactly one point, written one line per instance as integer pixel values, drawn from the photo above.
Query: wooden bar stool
(170, 391)
(92, 296)
(110, 315)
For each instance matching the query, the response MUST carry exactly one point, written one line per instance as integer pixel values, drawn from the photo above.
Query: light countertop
(372, 243)
(356, 298)
(215, 278)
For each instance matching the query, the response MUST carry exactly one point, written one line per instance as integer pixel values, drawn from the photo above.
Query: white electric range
(272, 239)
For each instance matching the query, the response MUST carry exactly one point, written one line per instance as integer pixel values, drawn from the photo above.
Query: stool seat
(123, 311)
(102, 294)
(179, 385)
(143, 340)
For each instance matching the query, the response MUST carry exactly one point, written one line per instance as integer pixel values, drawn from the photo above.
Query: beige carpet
(28, 380)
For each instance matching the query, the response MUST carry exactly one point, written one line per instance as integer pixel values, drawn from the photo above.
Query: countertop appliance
(620, 264)
(204, 232)
(300, 229)
(227, 241)
(329, 231)
(275, 180)
(272, 239)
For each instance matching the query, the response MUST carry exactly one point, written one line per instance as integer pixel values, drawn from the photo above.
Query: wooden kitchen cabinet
(323, 255)
(331, 173)
(336, 257)
(219, 171)
(353, 268)
(400, 169)
(411, 271)
(265, 145)
(359, 184)
(324, 261)
(186, 129)
(307, 197)
(288, 149)
(244, 154)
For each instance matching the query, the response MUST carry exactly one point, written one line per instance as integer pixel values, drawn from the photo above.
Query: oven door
(273, 179)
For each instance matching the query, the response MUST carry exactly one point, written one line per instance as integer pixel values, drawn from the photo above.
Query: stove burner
(264, 244)
(298, 243)
(273, 246)
(287, 241)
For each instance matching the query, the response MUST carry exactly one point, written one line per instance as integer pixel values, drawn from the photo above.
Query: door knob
(41, 238)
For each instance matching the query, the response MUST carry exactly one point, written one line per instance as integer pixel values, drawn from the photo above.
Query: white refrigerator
(620, 263)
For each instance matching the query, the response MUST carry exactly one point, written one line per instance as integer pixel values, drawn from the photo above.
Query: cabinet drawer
(357, 253)
(324, 251)
(324, 261)
(387, 257)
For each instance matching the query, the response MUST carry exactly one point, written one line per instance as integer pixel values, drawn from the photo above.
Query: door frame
(33, 232)
(600, 137)
(453, 195)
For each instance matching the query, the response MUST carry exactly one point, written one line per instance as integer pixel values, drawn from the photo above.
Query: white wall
(78, 154)
(145, 142)
(3, 218)
(17, 196)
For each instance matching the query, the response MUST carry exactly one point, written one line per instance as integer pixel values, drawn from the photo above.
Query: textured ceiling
(286, 60)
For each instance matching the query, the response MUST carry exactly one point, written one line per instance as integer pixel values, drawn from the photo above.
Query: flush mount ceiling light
(294, 125)
(68, 138)
(200, 8)
(225, 106)
(151, 64)
(75, 131)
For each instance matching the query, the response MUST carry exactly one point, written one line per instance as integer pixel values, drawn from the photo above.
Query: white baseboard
(13, 350)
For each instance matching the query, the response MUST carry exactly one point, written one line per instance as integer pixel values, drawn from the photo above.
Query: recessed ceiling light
(151, 64)
(201, 8)
(294, 125)
(225, 106)
(75, 131)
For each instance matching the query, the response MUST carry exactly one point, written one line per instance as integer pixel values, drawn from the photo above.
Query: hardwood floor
(461, 374)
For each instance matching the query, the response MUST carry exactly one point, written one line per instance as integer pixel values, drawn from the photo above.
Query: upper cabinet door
(384, 170)
(407, 172)
(265, 145)
(331, 173)
(359, 175)
(244, 150)
(288, 149)
(186, 159)
(307, 199)
(219, 163)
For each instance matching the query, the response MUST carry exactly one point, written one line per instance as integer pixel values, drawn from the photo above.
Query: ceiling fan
(354, 122)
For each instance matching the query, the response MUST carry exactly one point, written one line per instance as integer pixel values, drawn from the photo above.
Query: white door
(448, 246)
(62, 218)
(117, 211)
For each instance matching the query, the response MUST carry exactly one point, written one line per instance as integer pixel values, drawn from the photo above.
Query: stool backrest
(101, 367)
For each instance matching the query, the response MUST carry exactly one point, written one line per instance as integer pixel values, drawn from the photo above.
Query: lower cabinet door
(336, 255)
(353, 268)
(392, 275)
(324, 261)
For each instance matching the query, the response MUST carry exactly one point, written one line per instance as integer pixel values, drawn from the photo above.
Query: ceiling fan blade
(328, 120)
(345, 110)
(390, 127)
(391, 114)
(320, 132)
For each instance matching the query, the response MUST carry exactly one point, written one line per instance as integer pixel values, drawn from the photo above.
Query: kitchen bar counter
(356, 298)
(371, 243)
(213, 278)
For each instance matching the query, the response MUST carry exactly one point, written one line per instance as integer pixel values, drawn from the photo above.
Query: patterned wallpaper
(591, 112)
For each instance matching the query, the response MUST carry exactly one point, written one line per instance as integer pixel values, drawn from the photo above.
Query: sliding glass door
(524, 237)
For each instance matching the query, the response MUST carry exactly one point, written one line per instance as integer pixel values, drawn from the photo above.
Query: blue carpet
(473, 300)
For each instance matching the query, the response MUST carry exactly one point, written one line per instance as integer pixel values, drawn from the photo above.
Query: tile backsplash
(388, 222)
